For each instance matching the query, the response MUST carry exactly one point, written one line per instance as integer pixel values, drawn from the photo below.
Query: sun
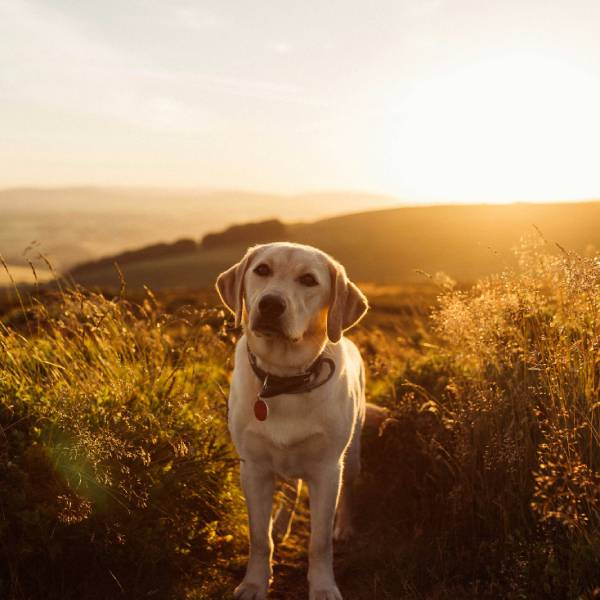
(516, 127)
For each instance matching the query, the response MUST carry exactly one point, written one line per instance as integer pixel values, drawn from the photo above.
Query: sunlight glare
(521, 127)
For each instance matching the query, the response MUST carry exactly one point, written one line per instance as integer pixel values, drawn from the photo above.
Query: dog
(297, 401)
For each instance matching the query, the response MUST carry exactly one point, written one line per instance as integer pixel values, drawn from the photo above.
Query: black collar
(274, 385)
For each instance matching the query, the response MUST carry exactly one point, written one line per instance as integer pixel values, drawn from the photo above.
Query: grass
(117, 478)
(485, 482)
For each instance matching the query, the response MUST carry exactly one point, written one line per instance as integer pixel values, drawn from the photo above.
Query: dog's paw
(250, 591)
(331, 593)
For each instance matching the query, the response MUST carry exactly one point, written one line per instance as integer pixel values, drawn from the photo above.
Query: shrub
(115, 474)
(490, 463)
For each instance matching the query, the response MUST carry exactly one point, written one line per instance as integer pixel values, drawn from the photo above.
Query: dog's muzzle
(271, 308)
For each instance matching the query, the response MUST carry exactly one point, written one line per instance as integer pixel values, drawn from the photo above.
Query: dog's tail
(375, 416)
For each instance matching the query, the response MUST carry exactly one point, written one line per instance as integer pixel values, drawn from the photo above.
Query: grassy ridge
(392, 245)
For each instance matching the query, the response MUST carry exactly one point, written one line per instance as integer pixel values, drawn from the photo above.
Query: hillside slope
(73, 225)
(392, 245)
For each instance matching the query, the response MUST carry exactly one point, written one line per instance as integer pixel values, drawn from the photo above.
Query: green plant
(115, 472)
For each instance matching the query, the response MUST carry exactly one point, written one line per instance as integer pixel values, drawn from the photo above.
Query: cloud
(47, 60)
(270, 91)
(53, 62)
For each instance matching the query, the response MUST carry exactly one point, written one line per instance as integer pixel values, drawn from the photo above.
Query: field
(117, 478)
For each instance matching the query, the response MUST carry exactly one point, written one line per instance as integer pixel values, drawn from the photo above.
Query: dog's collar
(274, 385)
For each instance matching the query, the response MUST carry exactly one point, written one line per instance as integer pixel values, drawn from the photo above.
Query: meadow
(117, 478)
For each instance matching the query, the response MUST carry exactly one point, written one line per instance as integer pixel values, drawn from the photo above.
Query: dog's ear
(347, 306)
(230, 285)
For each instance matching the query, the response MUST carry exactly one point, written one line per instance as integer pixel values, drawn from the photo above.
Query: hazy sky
(444, 100)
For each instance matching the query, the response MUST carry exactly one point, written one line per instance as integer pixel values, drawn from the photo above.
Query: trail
(291, 560)
(290, 564)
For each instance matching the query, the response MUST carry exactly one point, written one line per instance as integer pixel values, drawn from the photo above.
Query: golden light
(517, 127)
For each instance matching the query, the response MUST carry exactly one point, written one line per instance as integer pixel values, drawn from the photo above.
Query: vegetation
(116, 478)
(485, 482)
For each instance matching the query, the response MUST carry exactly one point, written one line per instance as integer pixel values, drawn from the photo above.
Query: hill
(81, 224)
(388, 246)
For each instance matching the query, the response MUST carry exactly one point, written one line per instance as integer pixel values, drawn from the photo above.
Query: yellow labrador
(297, 400)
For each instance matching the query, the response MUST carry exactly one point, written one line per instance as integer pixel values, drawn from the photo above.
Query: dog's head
(292, 293)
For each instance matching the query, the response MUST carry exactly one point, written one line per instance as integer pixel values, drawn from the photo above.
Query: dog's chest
(300, 432)
(291, 460)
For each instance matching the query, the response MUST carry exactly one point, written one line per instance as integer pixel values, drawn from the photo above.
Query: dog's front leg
(258, 485)
(324, 489)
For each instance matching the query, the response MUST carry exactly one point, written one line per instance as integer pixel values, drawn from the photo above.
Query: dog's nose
(271, 306)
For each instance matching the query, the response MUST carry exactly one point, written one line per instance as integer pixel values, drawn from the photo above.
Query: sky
(425, 100)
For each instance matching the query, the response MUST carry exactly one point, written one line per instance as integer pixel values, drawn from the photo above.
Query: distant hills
(80, 224)
(383, 246)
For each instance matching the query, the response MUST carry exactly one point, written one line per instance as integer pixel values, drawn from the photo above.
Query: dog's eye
(308, 280)
(263, 270)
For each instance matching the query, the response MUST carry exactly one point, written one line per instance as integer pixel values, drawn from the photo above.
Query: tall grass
(115, 474)
(116, 478)
(533, 340)
(490, 466)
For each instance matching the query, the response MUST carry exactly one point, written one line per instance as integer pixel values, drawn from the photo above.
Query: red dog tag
(261, 410)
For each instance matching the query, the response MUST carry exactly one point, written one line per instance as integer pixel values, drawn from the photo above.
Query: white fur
(313, 436)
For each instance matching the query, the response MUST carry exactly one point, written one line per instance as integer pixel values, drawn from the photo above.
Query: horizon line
(384, 196)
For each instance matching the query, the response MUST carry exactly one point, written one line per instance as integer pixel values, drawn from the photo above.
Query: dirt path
(290, 559)
(291, 564)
